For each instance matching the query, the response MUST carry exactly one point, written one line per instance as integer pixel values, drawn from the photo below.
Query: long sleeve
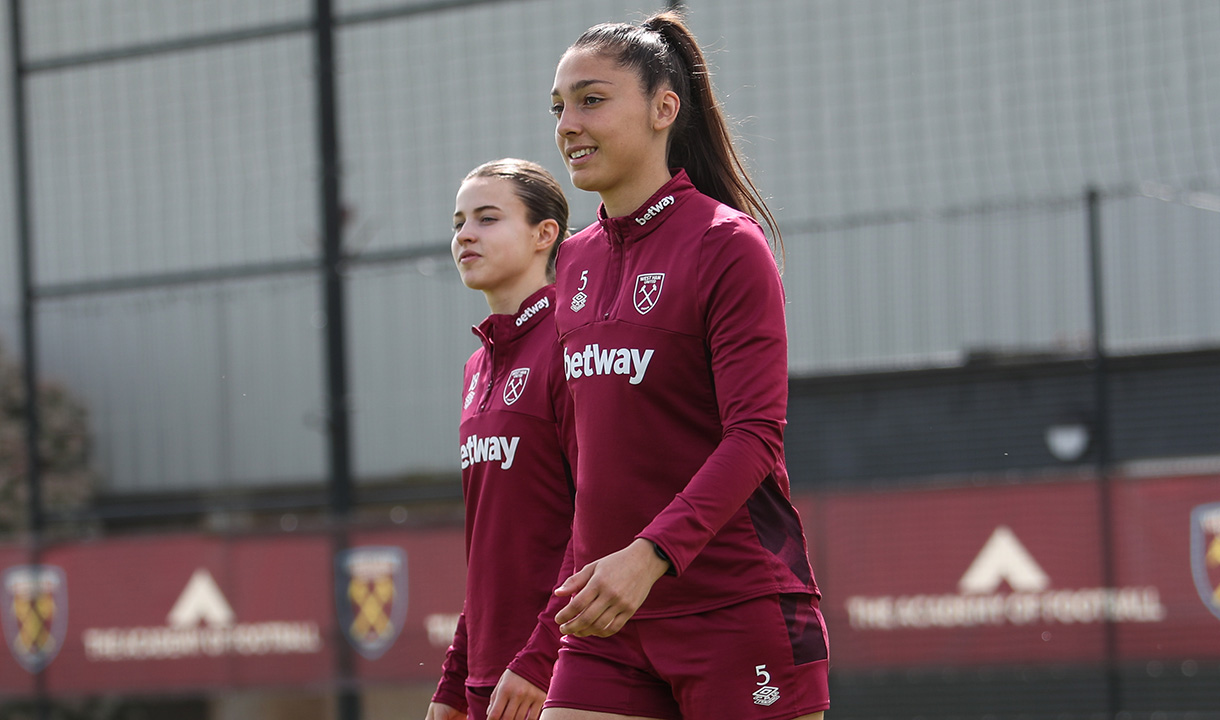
(747, 339)
(536, 661)
(451, 690)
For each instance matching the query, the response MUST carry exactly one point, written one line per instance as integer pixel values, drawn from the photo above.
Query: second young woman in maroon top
(517, 447)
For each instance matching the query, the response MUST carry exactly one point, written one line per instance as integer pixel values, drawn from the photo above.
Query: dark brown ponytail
(665, 54)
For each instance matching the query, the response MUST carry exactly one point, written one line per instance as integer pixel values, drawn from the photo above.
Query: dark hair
(665, 54)
(538, 190)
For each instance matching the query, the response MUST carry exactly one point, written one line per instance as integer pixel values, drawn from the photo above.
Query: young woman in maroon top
(693, 596)
(517, 447)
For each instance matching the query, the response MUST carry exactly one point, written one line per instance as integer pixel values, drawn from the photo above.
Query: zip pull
(491, 381)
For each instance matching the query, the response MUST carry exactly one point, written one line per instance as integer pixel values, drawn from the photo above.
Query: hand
(515, 698)
(441, 711)
(607, 592)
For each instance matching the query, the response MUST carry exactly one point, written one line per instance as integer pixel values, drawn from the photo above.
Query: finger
(617, 623)
(578, 617)
(495, 709)
(582, 605)
(575, 583)
(531, 707)
(603, 626)
(567, 615)
(590, 622)
(593, 609)
(513, 710)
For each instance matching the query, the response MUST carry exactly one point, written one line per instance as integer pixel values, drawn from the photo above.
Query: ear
(665, 107)
(548, 234)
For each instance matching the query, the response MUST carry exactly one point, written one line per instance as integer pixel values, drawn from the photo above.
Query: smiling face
(495, 247)
(611, 135)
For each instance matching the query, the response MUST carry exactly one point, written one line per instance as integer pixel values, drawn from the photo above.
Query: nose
(565, 124)
(464, 235)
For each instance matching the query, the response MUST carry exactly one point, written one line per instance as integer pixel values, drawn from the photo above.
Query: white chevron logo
(201, 601)
(1003, 559)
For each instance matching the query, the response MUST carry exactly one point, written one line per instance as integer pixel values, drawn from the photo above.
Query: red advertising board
(1015, 574)
(187, 612)
(963, 576)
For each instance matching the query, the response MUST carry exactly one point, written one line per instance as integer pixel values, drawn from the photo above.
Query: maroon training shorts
(762, 659)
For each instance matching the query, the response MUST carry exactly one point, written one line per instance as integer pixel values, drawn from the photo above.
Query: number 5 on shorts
(761, 671)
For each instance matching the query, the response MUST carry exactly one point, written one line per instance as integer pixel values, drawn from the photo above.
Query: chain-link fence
(247, 336)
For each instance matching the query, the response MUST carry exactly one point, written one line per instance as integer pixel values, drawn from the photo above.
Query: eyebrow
(478, 210)
(580, 85)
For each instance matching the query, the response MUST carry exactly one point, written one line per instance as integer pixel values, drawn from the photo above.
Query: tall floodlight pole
(338, 430)
(29, 335)
(1101, 441)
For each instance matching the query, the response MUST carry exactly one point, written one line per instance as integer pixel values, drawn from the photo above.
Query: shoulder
(734, 256)
(729, 233)
(473, 364)
(581, 240)
(701, 214)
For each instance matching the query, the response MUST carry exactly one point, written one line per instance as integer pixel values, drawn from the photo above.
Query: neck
(507, 300)
(624, 201)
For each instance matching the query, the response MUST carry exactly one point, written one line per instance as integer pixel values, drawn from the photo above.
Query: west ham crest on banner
(371, 583)
(34, 610)
(515, 385)
(1205, 554)
(648, 291)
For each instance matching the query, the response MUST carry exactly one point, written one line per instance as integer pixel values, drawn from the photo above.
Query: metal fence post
(338, 408)
(29, 335)
(1101, 447)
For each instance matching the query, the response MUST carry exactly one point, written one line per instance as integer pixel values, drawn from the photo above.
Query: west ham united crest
(34, 612)
(371, 583)
(515, 385)
(1205, 554)
(648, 291)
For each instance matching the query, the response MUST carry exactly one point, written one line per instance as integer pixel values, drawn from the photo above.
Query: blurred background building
(225, 265)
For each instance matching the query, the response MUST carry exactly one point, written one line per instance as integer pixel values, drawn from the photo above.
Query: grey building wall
(928, 159)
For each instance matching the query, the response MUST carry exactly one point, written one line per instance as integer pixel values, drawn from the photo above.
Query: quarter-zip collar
(654, 213)
(507, 328)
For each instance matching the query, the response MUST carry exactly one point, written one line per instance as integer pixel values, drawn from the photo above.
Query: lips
(579, 155)
(468, 256)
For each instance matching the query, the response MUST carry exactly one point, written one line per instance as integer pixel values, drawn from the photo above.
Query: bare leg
(570, 714)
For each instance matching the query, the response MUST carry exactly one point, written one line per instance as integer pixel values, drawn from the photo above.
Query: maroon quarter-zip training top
(518, 449)
(671, 322)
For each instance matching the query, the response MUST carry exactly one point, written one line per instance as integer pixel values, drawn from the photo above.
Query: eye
(557, 109)
(593, 100)
(457, 225)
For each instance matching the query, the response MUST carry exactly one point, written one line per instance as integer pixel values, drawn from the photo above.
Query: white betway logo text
(489, 449)
(1004, 559)
(654, 210)
(593, 360)
(532, 310)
